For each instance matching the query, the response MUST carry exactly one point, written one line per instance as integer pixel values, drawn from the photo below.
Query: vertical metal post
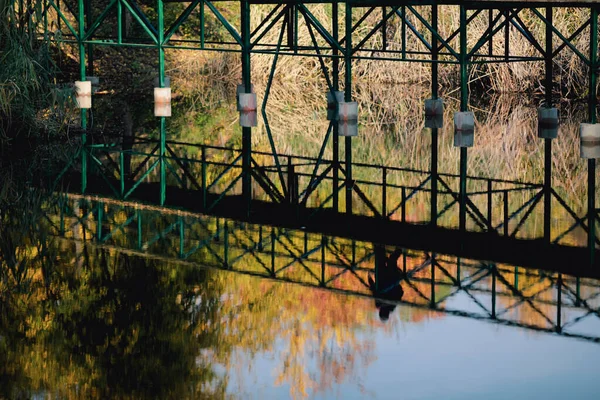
(181, 237)
(138, 213)
(592, 116)
(119, 22)
(203, 172)
(432, 283)
(82, 72)
(384, 28)
(464, 99)
(384, 193)
(559, 304)
(490, 206)
(506, 36)
(99, 218)
(246, 131)
(434, 131)
(226, 243)
(336, 87)
(348, 98)
(491, 40)
(403, 32)
(122, 172)
(548, 142)
(505, 212)
(201, 16)
(89, 13)
(163, 121)
(323, 245)
(494, 291)
(403, 198)
(272, 251)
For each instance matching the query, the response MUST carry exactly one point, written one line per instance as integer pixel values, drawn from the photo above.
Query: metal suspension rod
(163, 122)
(82, 73)
(548, 142)
(592, 117)
(434, 131)
(348, 98)
(464, 99)
(336, 86)
(246, 81)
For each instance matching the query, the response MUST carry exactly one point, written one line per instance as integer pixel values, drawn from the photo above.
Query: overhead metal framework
(357, 30)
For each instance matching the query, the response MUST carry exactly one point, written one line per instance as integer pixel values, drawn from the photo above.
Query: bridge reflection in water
(537, 300)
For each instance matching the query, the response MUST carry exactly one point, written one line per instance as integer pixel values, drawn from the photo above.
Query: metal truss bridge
(535, 300)
(465, 215)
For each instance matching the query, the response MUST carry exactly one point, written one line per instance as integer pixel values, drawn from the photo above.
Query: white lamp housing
(589, 141)
(162, 102)
(83, 94)
(348, 118)
(547, 123)
(464, 129)
(434, 113)
(247, 107)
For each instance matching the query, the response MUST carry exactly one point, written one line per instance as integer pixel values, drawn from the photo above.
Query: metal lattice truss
(357, 30)
(534, 300)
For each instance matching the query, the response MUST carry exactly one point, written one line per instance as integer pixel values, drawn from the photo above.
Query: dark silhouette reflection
(385, 282)
(123, 327)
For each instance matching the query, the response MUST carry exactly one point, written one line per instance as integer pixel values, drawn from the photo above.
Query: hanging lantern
(83, 94)
(162, 102)
(547, 123)
(589, 141)
(241, 89)
(247, 107)
(333, 99)
(348, 118)
(464, 129)
(434, 113)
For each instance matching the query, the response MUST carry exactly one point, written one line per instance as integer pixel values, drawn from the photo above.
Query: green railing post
(592, 116)
(348, 98)
(246, 131)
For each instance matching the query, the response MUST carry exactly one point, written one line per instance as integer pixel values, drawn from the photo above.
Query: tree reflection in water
(86, 322)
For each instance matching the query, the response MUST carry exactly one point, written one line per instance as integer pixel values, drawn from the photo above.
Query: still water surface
(82, 320)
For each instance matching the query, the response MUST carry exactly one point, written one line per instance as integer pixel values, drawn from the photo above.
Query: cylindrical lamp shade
(464, 129)
(239, 90)
(589, 141)
(348, 118)
(162, 102)
(247, 107)
(333, 99)
(547, 123)
(434, 113)
(83, 94)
